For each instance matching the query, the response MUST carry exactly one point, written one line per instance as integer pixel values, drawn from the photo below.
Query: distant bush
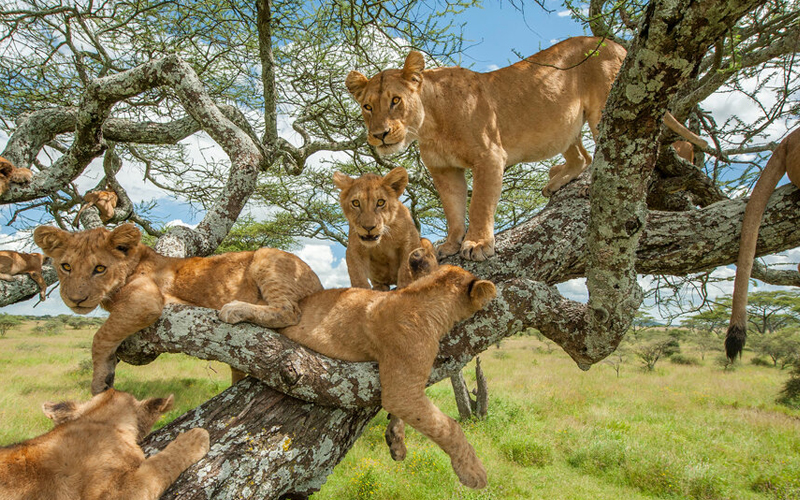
(49, 328)
(684, 359)
(760, 361)
(725, 363)
(790, 394)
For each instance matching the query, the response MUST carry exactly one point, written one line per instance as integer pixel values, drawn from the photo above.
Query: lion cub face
(112, 406)
(390, 104)
(371, 202)
(91, 264)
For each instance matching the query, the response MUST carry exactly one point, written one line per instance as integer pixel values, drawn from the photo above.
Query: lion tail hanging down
(785, 159)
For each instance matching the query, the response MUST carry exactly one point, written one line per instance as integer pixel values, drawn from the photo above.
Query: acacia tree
(279, 433)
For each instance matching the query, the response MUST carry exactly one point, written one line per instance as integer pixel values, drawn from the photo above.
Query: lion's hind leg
(577, 159)
(403, 396)
(396, 438)
(274, 314)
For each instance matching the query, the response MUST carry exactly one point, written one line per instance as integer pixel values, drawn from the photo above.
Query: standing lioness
(93, 453)
(529, 111)
(114, 270)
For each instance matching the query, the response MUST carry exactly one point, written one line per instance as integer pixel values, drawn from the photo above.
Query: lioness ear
(51, 240)
(396, 180)
(342, 181)
(355, 83)
(125, 237)
(412, 68)
(481, 292)
(61, 412)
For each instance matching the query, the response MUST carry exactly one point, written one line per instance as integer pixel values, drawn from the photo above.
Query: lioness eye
(66, 267)
(395, 100)
(381, 203)
(368, 107)
(99, 269)
(356, 203)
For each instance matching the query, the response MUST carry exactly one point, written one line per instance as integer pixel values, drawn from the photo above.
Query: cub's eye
(381, 203)
(66, 267)
(395, 101)
(99, 269)
(368, 107)
(356, 203)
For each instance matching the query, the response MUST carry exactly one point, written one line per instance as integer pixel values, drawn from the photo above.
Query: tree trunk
(264, 444)
(461, 393)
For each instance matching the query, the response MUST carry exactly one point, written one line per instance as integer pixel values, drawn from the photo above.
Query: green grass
(682, 432)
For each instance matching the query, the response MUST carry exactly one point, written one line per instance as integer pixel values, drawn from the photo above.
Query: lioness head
(111, 406)
(469, 293)
(422, 261)
(371, 202)
(390, 104)
(91, 264)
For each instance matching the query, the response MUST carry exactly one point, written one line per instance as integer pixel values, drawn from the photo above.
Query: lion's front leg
(403, 395)
(137, 305)
(395, 436)
(452, 187)
(487, 184)
(158, 472)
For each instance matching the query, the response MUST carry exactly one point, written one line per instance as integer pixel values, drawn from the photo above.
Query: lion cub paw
(195, 443)
(235, 312)
(470, 471)
(447, 249)
(477, 250)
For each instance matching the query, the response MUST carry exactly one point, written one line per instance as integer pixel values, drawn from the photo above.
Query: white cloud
(332, 271)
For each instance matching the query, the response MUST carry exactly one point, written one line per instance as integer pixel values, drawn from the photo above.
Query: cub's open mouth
(374, 237)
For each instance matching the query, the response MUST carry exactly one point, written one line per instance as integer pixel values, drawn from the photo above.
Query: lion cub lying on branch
(131, 281)
(93, 453)
(401, 330)
(14, 263)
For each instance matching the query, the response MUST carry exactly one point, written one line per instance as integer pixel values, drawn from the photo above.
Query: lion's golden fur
(105, 201)
(784, 160)
(114, 270)
(529, 111)
(93, 453)
(382, 232)
(401, 329)
(10, 173)
(14, 263)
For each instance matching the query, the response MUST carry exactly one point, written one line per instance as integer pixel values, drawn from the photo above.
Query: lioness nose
(381, 135)
(370, 228)
(77, 302)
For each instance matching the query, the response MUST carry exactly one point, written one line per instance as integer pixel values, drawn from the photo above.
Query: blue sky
(494, 35)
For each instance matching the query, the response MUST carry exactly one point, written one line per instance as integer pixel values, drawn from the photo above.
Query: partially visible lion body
(784, 160)
(401, 330)
(10, 173)
(381, 230)
(529, 111)
(133, 282)
(105, 201)
(93, 453)
(14, 263)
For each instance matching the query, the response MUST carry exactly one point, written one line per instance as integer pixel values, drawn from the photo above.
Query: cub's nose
(381, 135)
(368, 229)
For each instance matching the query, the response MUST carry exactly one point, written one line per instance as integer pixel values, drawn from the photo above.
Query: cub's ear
(412, 68)
(342, 181)
(61, 412)
(159, 405)
(481, 292)
(356, 83)
(51, 240)
(396, 181)
(125, 237)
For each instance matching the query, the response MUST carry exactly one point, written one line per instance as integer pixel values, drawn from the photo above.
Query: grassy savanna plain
(552, 431)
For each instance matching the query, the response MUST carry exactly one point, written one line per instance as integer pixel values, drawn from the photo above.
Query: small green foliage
(684, 359)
